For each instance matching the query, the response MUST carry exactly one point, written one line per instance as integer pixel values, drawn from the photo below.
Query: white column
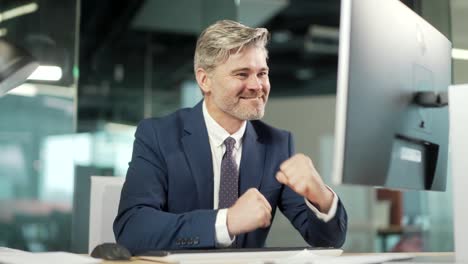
(458, 112)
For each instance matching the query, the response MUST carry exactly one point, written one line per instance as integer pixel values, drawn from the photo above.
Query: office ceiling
(122, 41)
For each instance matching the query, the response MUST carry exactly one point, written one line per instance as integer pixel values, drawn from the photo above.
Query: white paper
(238, 257)
(13, 256)
(308, 257)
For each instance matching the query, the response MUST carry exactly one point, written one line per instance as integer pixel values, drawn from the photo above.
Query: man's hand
(300, 175)
(251, 211)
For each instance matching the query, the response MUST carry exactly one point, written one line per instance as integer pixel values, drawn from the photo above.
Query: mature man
(212, 176)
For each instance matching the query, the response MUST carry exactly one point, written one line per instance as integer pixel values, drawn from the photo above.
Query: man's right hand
(251, 211)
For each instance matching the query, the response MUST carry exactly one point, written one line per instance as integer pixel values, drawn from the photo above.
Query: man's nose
(254, 83)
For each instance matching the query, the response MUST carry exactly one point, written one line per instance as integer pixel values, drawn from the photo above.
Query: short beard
(242, 114)
(248, 115)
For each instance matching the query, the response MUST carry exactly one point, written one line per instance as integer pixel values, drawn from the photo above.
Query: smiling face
(237, 89)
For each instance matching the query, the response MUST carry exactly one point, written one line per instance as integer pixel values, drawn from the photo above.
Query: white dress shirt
(217, 135)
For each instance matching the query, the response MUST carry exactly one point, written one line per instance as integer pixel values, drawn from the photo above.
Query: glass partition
(36, 195)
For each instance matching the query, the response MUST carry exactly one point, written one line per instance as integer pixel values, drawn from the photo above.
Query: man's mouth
(252, 97)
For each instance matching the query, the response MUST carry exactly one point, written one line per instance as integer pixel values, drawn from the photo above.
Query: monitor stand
(458, 114)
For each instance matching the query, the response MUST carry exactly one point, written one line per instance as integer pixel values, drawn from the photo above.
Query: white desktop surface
(237, 257)
(420, 257)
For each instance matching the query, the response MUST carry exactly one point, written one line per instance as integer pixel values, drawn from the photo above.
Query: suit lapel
(198, 152)
(252, 161)
(251, 167)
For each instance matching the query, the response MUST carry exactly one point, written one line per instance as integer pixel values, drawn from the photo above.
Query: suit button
(196, 241)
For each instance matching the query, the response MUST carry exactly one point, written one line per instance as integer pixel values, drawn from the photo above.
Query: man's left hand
(299, 173)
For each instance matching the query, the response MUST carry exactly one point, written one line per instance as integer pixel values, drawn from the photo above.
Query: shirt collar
(217, 133)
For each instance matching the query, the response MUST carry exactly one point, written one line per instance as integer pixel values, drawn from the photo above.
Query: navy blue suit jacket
(167, 198)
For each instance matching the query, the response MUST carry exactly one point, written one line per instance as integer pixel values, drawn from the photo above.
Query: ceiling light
(460, 54)
(18, 11)
(46, 73)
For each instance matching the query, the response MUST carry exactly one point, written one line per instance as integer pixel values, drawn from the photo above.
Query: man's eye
(242, 74)
(263, 74)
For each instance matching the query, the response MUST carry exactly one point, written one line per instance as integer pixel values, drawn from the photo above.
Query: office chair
(104, 203)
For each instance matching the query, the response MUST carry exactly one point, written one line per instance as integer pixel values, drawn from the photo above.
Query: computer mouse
(111, 251)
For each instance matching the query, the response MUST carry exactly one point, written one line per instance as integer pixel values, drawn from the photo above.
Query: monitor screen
(383, 138)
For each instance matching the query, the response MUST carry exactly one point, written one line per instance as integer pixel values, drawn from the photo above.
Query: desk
(133, 261)
(419, 257)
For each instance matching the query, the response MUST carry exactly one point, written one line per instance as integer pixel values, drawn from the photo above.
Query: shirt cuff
(331, 213)
(223, 239)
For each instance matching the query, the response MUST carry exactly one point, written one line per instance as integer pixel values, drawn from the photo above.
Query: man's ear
(203, 80)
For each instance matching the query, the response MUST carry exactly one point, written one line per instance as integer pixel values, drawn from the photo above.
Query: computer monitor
(385, 135)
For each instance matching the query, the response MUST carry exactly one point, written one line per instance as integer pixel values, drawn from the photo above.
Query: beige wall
(459, 21)
(311, 120)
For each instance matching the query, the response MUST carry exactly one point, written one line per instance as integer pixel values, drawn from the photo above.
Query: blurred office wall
(36, 192)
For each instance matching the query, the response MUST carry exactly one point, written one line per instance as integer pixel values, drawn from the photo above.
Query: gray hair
(216, 42)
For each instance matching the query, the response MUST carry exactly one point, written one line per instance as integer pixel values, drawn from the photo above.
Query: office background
(122, 61)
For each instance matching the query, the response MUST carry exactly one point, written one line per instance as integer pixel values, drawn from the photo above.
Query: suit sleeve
(315, 231)
(143, 222)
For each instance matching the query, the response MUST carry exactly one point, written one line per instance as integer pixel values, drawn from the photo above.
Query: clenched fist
(299, 173)
(251, 211)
